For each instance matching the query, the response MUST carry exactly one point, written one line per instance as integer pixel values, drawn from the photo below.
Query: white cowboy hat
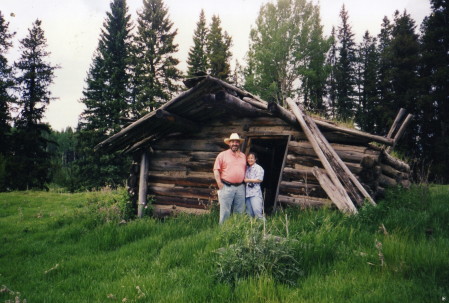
(234, 136)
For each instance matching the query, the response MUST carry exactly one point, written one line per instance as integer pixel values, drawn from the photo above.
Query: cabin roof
(206, 99)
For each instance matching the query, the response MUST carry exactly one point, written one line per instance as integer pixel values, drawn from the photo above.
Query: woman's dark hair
(254, 154)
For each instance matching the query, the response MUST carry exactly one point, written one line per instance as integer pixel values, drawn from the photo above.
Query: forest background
(135, 70)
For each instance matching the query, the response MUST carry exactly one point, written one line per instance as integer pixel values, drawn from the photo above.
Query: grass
(75, 248)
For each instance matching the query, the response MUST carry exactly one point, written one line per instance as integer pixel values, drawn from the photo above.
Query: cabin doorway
(270, 151)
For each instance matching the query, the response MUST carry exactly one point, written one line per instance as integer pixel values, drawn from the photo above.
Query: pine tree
(218, 49)
(345, 75)
(314, 75)
(434, 101)
(197, 60)
(6, 84)
(155, 73)
(35, 75)
(367, 83)
(405, 52)
(384, 85)
(106, 98)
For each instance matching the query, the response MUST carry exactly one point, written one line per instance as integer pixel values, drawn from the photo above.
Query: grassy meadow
(58, 247)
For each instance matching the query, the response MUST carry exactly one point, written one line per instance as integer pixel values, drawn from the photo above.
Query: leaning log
(340, 198)
(143, 185)
(284, 114)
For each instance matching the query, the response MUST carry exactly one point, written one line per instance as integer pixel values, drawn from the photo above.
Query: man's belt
(230, 184)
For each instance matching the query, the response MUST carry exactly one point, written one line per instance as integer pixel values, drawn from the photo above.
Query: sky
(72, 29)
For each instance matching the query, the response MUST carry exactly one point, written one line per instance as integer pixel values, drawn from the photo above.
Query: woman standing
(253, 178)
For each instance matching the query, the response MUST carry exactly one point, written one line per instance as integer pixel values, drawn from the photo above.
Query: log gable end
(183, 138)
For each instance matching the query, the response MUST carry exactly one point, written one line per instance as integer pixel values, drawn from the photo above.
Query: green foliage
(197, 60)
(286, 48)
(345, 69)
(250, 251)
(73, 248)
(218, 50)
(106, 97)
(154, 71)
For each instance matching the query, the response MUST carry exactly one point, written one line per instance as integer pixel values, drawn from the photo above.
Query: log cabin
(175, 146)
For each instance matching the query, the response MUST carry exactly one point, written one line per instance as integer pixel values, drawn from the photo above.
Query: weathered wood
(395, 124)
(201, 182)
(170, 118)
(301, 188)
(304, 201)
(400, 131)
(386, 181)
(304, 175)
(256, 103)
(238, 106)
(283, 113)
(161, 211)
(348, 153)
(394, 162)
(183, 201)
(393, 173)
(175, 191)
(143, 184)
(284, 160)
(341, 198)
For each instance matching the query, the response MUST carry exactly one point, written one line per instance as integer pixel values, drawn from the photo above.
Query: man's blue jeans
(232, 200)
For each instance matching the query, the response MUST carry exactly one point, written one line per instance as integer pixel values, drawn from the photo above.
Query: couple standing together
(238, 183)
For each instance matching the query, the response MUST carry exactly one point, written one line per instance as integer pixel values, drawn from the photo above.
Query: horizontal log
(189, 144)
(185, 181)
(300, 188)
(393, 173)
(394, 162)
(348, 153)
(161, 211)
(385, 181)
(186, 192)
(300, 175)
(304, 201)
(182, 201)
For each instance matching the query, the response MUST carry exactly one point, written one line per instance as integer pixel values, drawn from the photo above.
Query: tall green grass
(77, 248)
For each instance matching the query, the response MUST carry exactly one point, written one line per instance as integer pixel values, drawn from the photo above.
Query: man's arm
(218, 178)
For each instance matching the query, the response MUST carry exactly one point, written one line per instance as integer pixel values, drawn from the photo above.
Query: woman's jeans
(254, 206)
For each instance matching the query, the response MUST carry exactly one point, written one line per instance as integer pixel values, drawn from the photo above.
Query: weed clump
(251, 251)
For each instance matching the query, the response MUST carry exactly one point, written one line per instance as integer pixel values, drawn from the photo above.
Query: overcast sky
(72, 29)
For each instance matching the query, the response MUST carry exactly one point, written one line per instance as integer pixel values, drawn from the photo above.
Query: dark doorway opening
(271, 153)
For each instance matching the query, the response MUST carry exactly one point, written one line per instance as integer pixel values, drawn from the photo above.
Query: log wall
(180, 166)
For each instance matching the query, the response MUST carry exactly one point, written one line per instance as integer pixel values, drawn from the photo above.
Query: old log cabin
(175, 147)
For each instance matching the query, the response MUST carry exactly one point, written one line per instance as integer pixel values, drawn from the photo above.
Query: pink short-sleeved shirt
(232, 166)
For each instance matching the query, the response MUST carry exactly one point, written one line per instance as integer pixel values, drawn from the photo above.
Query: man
(229, 172)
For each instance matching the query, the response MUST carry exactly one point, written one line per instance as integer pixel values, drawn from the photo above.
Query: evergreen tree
(313, 87)
(197, 60)
(384, 85)
(106, 99)
(155, 73)
(405, 52)
(218, 49)
(345, 71)
(31, 162)
(367, 83)
(434, 103)
(6, 84)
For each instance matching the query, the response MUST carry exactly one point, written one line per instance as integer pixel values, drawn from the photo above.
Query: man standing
(229, 172)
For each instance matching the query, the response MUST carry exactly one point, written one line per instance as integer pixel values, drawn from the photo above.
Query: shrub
(251, 251)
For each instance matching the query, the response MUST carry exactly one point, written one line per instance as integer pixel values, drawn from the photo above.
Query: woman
(253, 178)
